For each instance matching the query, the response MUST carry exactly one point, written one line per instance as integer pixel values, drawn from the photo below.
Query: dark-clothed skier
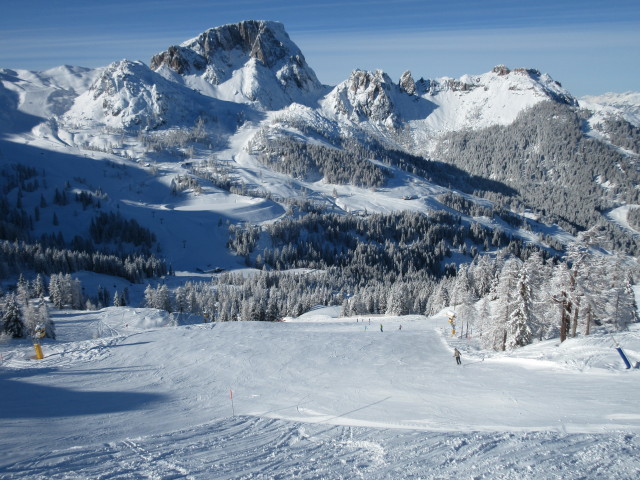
(456, 353)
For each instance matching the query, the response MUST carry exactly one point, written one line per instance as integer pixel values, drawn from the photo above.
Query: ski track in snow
(315, 398)
(250, 447)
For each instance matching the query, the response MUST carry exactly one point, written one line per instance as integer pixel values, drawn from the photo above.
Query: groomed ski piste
(122, 394)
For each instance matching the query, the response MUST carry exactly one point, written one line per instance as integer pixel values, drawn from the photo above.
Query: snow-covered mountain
(129, 94)
(625, 105)
(224, 183)
(252, 61)
(28, 98)
(248, 89)
(430, 108)
(495, 97)
(239, 100)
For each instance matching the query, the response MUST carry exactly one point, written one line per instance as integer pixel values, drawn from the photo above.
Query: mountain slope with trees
(407, 197)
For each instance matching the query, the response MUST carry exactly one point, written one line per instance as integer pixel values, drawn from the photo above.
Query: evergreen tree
(163, 298)
(22, 290)
(12, 323)
(149, 297)
(560, 323)
(116, 300)
(498, 330)
(56, 291)
(483, 316)
(272, 314)
(397, 302)
(464, 296)
(518, 330)
(538, 274)
(45, 319)
(39, 289)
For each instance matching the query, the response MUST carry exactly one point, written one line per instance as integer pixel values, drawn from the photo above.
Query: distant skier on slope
(456, 353)
(381, 327)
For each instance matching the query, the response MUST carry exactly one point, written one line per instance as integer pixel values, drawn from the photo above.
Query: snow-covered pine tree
(397, 302)
(482, 316)
(45, 319)
(619, 299)
(482, 272)
(55, 291)
(12, 323)
(149, 297)
(22, 291)
(163, 298)
(181, 299)
(497, 329)
(74, 294)
(30, 318)
(463, 296)
(440, 298)
(559, 288)
(543, 307)
(518, 330)
(38, 287)
(272, 312)
(116, 300)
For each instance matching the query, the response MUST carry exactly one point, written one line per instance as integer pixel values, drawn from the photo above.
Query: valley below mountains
(226, 152)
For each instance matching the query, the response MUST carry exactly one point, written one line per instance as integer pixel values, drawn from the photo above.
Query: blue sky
(590, 46)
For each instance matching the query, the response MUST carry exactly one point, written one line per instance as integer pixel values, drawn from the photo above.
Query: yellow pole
(38, 334)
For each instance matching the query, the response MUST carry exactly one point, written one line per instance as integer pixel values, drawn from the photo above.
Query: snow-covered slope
(129, 94)
(373, 97)
(495, 97)
(418, 112)
(315, 397)
(444, 104)
(242, 85)
(626, 105)
(252, 61)
(28, 98)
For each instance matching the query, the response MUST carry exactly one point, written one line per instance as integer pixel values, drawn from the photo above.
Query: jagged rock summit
(373, 97)
(253, 62)
(128, 94)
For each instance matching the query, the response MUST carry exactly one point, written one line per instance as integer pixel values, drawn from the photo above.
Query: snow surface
(620, 217)
(123, 394)
(625, 104)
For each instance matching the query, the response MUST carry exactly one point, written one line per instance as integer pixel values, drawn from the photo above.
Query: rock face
(247, 53)
(366, 96)
(407, 83)
(129, 94)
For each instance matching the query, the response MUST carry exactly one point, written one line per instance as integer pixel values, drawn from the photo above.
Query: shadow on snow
(22, 399)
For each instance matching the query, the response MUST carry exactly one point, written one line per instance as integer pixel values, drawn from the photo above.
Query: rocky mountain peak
(407, 84)
(258, 48)
(129, 95)
(366, 95)
(261, 40)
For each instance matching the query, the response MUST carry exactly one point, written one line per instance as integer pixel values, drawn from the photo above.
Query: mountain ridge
(237, 108)
(262, 49)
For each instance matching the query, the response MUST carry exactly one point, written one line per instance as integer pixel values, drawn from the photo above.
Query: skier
(381, 327)
(456, 353)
